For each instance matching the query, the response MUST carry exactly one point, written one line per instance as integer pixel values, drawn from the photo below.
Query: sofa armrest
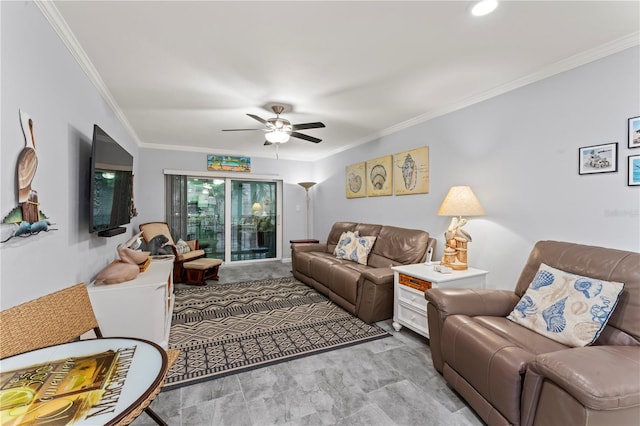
(302, 247)
(472, 302)
(378, 276)
(444, 302)
(374, 299)
(600, 383)
(599, 377)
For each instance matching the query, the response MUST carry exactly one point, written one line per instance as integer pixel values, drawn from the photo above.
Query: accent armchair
(153, 229)
(510, 374)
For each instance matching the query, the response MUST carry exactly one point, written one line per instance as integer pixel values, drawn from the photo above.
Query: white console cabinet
(138, 308)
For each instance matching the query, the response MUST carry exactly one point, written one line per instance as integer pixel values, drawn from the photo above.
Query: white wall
(39, 76)
(519, 154)
(150, 198)
(518, 151)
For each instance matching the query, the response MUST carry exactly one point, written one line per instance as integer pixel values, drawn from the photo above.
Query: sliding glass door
(253, 220)
(205, 214)
(233, 219)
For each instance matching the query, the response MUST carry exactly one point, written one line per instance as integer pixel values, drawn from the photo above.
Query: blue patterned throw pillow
(565, 307)
(345, 244)
(353, 247)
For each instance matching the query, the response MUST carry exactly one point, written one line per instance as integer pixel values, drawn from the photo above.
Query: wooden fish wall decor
(26, 219)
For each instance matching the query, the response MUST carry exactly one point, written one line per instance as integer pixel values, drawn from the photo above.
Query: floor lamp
(306, 186)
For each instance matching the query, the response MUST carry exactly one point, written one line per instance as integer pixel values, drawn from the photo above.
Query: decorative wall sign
(411, 172)
(634, 132)
(26, 219)
(228, 163)
(380, 176)
(356, 181)
(634, 170)
(598, 159)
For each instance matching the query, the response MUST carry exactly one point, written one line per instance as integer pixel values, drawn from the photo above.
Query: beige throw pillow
(565, 307)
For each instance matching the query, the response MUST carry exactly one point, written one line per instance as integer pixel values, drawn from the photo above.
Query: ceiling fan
(278, 130)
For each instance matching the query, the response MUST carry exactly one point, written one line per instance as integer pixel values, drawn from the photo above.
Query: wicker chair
(153, 229)
(58, 318)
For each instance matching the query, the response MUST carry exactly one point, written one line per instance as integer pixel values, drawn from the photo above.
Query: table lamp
(306, 186)
(460, 201)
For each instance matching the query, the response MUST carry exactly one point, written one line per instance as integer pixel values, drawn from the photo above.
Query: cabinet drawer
(414, 319)
(413, 282)
(412, 297)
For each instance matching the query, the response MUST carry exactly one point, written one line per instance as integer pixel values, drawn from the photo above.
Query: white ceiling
(179, 72)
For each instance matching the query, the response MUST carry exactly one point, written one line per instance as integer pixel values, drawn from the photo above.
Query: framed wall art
(634, 132)
(228, 163)
(411, 172)
(598, 159)
(380, 176)
(634, 170)
(355, 180)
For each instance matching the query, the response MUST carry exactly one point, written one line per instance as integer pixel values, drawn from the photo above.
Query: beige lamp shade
(306, 185)
(256, 207)
(460, 201)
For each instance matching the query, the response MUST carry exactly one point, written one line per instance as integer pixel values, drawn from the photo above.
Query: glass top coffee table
(87, 382)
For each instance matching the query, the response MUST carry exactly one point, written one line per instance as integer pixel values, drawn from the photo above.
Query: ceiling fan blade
(268, 143)
(305, 137)
(255, 117)
(238, 130)
(303, 126)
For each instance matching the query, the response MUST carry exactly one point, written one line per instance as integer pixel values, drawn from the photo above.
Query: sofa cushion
(368, 230)
(395, 246)
(320, 268)
(566, 307)
(152, 229)
(521, 336)
(193, 254)
(343, 281)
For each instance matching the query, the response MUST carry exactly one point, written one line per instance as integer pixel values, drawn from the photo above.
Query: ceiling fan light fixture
(277, 136)
(484, 7)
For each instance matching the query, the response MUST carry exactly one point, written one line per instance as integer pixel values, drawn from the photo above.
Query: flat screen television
(111, 181)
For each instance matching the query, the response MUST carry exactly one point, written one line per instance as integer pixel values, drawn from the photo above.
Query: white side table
(409, 284)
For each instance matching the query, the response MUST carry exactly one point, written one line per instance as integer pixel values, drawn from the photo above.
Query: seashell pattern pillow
(345, 243)
(354, 247)
(565, 307)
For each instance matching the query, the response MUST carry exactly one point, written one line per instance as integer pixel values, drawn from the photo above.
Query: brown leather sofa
(511, 375)
(364, 290)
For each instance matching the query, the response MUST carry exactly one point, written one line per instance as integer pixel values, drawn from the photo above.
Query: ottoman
(199, 270)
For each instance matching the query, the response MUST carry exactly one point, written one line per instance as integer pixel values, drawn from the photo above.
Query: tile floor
(390, 381)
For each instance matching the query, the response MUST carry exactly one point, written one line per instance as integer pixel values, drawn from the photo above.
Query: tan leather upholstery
(511, 375)
(364, 290)
(153, 229)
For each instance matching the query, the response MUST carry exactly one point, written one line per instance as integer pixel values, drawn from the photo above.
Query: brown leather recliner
(511, 375)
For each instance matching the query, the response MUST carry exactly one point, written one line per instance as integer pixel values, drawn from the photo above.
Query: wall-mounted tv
(111, 185)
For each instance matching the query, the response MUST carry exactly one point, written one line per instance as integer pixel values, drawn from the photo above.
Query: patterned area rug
(228, 328)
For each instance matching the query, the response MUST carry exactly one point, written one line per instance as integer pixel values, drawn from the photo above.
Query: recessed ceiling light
(484, 7)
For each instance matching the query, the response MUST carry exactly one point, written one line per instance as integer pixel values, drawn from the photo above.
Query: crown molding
(52, 14)
(575, 61)
(60, 26)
